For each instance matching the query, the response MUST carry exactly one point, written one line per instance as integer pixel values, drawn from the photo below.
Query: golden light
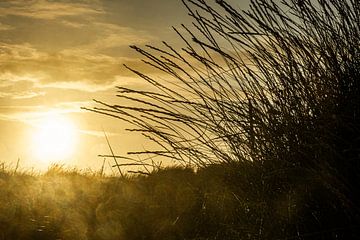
(54, 139)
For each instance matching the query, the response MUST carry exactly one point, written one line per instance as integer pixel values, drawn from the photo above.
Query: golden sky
(56, 56)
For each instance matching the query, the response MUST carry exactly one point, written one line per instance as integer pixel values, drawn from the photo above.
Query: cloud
(21, 95)
(28, 73)
(68, 68)
(72, 24)
(5, 27)
(90, 57)
(124, 37)
(31, 113)
(109, 35)
(42, 9)
(18, 52)
(18, 87)
(88, 86)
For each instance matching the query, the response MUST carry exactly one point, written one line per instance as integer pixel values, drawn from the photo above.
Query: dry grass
(225, 201)
(272, 92)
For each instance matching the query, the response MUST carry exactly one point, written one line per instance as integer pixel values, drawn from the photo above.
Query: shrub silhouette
(271, 97)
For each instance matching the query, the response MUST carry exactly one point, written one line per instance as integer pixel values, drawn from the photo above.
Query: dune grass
(269, 100)
(224, 201)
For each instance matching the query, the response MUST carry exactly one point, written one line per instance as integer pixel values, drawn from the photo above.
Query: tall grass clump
(273, 92)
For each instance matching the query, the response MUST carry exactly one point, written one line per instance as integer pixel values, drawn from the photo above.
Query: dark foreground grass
(225, 201)
(266, 102)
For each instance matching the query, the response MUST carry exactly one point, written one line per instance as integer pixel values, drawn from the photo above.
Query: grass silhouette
(268, 97)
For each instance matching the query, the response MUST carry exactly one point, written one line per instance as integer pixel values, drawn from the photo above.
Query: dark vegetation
(227, 201)
(262, 110)
(268, 101)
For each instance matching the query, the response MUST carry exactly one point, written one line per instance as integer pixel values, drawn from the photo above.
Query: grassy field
(234, 201)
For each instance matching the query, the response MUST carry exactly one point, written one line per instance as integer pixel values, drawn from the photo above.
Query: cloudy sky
(57, 55)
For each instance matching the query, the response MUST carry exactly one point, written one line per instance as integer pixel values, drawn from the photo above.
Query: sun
(54, 138)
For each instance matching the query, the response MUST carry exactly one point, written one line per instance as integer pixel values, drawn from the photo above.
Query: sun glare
(54, 139)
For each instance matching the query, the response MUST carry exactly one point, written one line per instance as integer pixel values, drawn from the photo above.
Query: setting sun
(54, 138)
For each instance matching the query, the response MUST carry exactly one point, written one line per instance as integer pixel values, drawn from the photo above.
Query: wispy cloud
(73, 69)
(4, 27)
(88, 86)
(21, 95)
(18, 87)
(42, 9)
(18, 52)
(30, 113)
(114, 35)
(72, 24)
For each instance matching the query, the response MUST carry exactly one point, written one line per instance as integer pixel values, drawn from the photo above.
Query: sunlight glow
(54, 139)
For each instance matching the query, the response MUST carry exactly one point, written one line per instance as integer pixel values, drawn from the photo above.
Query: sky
(58, 55)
